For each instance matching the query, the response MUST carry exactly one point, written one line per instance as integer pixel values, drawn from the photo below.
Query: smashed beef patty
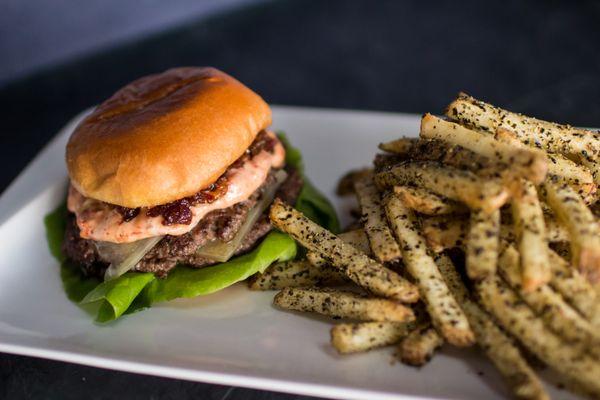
(219, 224)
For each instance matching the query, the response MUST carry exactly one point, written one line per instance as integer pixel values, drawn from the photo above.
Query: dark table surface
(537, 57)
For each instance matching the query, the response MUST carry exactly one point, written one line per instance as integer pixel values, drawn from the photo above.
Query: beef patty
(219, 224)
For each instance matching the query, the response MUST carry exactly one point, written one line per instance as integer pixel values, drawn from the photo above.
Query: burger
(175, 170)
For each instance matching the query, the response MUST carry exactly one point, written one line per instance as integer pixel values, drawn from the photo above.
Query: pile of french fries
(483, 231)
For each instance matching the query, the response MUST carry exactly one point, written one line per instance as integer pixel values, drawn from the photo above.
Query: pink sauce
(101, 222)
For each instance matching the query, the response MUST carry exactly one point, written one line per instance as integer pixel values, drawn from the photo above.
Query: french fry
(364, 336)
(418, 346)
(445, 153)
(425, 202)
(552, 137)
(530, 230)
(563, 249)
(346, 183)
(447, 231)
(385, 161)
(362, 270)
(507, 136)
(402, 146)
(482, 244)
(342, 304)
(452, 278)
(594, 167)
(413, 149)
(596, 209)
(463, 158)
(356, 238)
(548, 304)
(316, 260)
(574, 288)
(296, 273)
(582, 180)
(382, 241)
(455, 184)
(505, 355)
(519, 320)
(527, 163)
(445, 313)
(498, 347)
(559, 166)
(555, 232)
(583, 229)
(576, 388)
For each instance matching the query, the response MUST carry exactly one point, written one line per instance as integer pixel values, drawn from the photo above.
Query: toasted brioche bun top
(164, 137)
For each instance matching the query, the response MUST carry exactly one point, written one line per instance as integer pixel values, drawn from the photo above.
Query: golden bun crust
(164, 137)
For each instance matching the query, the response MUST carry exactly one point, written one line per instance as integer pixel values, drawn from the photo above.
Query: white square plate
(233, 337)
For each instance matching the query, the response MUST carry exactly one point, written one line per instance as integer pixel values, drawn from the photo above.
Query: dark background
(537, 57)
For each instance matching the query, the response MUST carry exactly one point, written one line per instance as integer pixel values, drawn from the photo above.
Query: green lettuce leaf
(135, 291)
(115, 296)
(317, 208)
(56, 223)
(191, 282)
(76, 285)
(310, 202)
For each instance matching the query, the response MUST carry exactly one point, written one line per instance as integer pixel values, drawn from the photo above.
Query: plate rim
(196, 375)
